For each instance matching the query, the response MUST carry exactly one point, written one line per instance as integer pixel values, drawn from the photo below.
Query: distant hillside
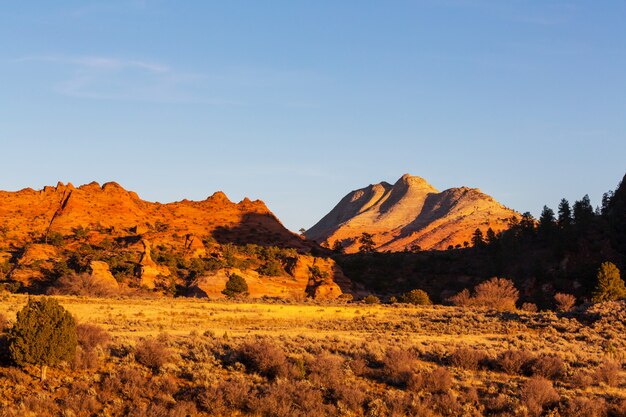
(122, 241)
(410, 213)
(558, 253)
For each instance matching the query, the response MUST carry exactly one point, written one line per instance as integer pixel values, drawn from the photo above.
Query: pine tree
(367, 243)
(610, 285)
(477, 239)
(491, 236)
(583, 212)
(547, 222)
(565, 214)
(44, 334)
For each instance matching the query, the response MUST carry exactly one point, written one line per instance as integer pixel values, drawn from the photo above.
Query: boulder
(102, 275)
(149, 272)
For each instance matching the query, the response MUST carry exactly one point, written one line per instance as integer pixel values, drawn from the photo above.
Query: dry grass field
(180, 357)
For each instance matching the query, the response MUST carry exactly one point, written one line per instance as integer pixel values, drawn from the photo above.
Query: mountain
(115, 237)
(408, 213)
(28, 214)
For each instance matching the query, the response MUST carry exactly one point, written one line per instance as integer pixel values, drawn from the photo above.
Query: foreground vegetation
(186, 357)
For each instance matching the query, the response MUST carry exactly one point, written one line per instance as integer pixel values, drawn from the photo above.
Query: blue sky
(299, 102)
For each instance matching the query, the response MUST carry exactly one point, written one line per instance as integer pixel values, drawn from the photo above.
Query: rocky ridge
(106, 231)
(409, 214)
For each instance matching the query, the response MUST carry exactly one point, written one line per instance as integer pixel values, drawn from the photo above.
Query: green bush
(371, 299)
(610, 285)
(44, 334)
(235, 286)
(417, 297)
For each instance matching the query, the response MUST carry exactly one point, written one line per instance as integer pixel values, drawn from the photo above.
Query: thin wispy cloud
(110, 78)
(98, 62)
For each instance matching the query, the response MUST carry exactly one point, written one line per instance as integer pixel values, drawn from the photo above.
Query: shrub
(417, 297)
(536, 393)
(225, 397)
(235, 286)
(564, 302)
(398, 366)
(530, 307)
(371, 299)
(44, 334)
(582, 379)
(263, 358)
(548, 366)
(82, 284)
(610, 286)
(152, 354)
(496, 293)
(85, 359)
(608, 373)
(3, 322)
(584, 407)
(462, 299)
(91, 336)
(326, 369)
(438, 380)
(514, 361)
(466, 358)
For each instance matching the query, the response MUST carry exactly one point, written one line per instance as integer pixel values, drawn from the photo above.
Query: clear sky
(299, 102)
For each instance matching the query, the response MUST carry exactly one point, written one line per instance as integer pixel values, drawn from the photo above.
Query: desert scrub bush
(416, 297)
(152, 354)
(225, 397)
(564, 302)
(467, 358)
(497, 293)
(91, 336)
(584, 407)
(529, 307)
(537, 393)
(264, 358)
(608, 373)
(462, 299)
(290, 399)
(82, 284)
(44, 334)
(548, 366)
(438, 380)
(325, 369)
(398, 367)
(371, 299)
(515, 362)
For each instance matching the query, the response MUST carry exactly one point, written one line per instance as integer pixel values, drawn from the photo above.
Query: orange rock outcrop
(408, 213)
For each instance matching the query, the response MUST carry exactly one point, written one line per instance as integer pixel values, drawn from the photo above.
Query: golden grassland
(353, 359)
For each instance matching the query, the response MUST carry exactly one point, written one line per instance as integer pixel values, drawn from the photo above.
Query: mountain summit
(408, 213)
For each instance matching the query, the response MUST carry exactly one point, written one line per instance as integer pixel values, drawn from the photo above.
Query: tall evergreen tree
(477, 239)
(565, 214)
(547, 222)
(491, 236)
(527, 224)
(583, 212)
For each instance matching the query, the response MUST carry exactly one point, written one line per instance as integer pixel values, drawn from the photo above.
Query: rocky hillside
(408, 214)
(108, 238)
